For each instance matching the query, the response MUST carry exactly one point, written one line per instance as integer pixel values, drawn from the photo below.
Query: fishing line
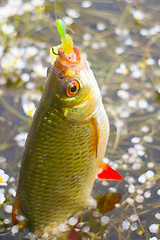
(55, 10)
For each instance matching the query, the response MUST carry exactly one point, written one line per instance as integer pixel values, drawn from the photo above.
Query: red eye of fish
(72, 88)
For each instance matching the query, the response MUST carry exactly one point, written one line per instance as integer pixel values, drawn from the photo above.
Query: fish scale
(76, 159)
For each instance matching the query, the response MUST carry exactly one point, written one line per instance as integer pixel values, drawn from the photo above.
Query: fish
(65, 146)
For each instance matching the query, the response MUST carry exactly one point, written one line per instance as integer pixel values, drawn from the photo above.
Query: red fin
(105, 172)
(75, 232)
(96, 127)
(74, 235)
(15, 212)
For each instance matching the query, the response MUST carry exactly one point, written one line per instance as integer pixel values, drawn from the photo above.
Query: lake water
(121, 40)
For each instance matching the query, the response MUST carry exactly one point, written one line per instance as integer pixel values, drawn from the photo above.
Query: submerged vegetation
(121, 41)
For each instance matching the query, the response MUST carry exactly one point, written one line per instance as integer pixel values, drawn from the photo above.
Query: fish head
(75, 89)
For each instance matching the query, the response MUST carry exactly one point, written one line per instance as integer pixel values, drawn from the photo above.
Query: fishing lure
(66, 143)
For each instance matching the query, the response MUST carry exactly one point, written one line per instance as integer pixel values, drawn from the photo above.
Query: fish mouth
(74, 57)
(73, 61)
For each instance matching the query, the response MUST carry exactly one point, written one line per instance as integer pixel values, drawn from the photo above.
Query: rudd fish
(65, 146)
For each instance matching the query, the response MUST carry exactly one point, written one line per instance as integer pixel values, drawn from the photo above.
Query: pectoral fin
(105, 172)
(97, 131)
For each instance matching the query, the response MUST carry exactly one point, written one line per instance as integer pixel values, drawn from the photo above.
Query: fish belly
(58, 167)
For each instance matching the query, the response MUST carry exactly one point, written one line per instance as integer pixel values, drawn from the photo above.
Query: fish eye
(72, 88)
